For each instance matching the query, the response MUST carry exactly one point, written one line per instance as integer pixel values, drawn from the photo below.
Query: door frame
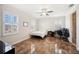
(74, 29)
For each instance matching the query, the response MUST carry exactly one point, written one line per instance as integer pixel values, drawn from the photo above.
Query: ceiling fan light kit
(45, 12)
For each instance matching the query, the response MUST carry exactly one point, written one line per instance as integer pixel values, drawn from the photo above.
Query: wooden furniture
(50, 33)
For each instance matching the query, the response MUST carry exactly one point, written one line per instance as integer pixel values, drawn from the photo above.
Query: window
(10, 24)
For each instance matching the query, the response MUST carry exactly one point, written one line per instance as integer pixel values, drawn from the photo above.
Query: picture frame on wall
(10, 23)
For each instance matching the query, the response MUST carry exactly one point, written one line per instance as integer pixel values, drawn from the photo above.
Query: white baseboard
(20, 40)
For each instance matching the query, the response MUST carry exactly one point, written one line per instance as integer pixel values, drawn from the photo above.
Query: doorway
(74, 28)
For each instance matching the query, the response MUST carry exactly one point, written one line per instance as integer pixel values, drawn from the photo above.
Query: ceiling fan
(45, 12)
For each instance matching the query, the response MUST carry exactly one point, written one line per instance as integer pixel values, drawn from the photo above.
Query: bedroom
(35, 19)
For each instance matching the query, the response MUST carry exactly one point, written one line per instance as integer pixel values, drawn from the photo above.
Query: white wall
(33, 24)
(23, 32)
(77, 27)
(0, 20)
(68, 25)
(49, 23)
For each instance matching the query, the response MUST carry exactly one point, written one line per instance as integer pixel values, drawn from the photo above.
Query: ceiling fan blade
(50, 11)
(71, 5)
(47, 14)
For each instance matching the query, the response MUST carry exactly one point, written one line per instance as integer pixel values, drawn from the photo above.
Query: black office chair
(65, 34)
(2, 47)
(59, 32)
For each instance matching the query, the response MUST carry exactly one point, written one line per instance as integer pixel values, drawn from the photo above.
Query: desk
(6, 48)
(9, 49)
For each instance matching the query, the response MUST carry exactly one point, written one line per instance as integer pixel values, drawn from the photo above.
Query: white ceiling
(33, 9)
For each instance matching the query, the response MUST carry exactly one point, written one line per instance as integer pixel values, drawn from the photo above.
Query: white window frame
(3, 22)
